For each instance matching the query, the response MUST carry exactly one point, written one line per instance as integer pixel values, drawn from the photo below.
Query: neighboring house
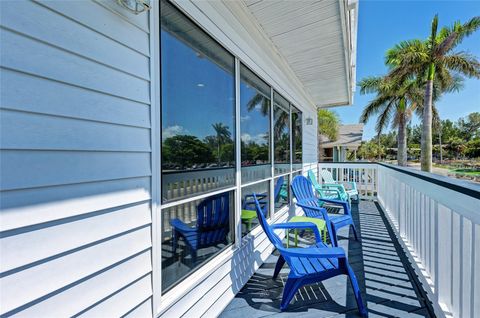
(349, 138)
(116, 126)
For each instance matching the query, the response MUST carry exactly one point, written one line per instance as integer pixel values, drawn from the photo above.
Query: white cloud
(259, 139)
(173, 131)
(246, 137)
(244, 118)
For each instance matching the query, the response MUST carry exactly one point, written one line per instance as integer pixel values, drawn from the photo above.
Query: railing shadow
(387, 281)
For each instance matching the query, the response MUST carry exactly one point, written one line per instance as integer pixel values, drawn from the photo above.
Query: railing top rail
(465, 187)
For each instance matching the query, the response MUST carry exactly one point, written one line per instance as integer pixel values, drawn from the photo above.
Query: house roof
(318, 41)
(349, 136)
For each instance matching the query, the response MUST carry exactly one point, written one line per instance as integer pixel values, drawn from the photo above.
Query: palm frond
(371, 84)
(406, 53)
(374, 107)
(463, 63)
(384, 119)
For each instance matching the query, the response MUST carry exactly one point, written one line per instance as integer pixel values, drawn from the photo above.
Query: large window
(281, 134)
(296, 138)
(198, 107)
(198, 152)
(202, 149)
(254, 127)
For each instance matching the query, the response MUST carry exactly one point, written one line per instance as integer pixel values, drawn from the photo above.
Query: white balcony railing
(437, 220)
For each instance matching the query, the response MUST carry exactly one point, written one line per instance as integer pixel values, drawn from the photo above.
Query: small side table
(322, 228)
(247, 217)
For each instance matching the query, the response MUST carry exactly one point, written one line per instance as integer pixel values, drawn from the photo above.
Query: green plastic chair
(329, 182)
(326, 192)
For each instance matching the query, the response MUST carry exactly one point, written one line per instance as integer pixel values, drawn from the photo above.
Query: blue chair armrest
(181, 226)
(299, 225)
(317, 252)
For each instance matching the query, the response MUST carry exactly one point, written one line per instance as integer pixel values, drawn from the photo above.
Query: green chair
(327, 192)
(329, 182)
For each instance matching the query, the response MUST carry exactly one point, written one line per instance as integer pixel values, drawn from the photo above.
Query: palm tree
(328, 125)
(394, 99)
(223, 136)
(434, 59)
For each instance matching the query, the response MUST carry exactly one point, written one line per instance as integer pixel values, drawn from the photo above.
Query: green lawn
(468, 172)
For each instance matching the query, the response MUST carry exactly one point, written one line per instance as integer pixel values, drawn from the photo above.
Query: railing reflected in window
(254, 126)
(193, 233)
(281, 192)
(296, 138)
(281, 134)
(198, 109)
(248, 214)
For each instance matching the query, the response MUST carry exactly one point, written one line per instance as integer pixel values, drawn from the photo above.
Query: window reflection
(281, 134)
(296, 138)
(194, 232)
(281, 192)
(248, 215)
(198, 108)
(254, 126)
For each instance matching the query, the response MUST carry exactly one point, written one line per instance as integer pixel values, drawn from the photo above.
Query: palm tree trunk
(426, 154)
(402, 141)
(319, 148)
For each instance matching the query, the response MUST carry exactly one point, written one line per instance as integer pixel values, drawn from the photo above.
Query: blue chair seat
(314, 265)
(340, 220)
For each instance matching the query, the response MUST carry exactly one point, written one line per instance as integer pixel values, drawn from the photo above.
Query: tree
(185, 151)
(328, 125)
(395, 101)
(223, 136)
(433, 59)
(470, 127)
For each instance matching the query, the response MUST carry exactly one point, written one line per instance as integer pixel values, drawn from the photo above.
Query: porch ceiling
(318, 41)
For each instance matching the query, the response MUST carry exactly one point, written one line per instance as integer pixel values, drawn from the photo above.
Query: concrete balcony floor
(388, 282)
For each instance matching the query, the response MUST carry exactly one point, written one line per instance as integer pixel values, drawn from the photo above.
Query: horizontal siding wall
(76, 160)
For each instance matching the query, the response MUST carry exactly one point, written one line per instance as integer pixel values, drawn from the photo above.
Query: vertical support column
(238, 164)
(155, 129)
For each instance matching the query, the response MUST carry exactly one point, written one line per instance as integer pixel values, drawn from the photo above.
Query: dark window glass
(281, 192)
(296, 138)
(254, 126)
(281, 134)
(193, 233)
(198, 109)
(249, 216)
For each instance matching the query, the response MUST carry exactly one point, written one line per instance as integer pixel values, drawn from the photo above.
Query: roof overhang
(349, 136)
(317, 39)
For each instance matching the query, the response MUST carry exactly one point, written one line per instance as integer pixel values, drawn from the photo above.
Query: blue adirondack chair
(212, 225)
(308, 265)
(311, 205)
(331, 183)
(278, 192)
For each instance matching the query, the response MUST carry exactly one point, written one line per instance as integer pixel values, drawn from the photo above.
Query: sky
(382, 24)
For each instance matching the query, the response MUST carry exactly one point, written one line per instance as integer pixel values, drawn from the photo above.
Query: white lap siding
(75, 160)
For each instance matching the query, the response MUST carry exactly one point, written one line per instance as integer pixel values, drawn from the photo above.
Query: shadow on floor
(388, 283)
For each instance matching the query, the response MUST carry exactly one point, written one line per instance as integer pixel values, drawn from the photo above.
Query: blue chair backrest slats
(213, 219)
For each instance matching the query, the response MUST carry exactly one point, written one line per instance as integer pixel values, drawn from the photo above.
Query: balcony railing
(437, 221)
